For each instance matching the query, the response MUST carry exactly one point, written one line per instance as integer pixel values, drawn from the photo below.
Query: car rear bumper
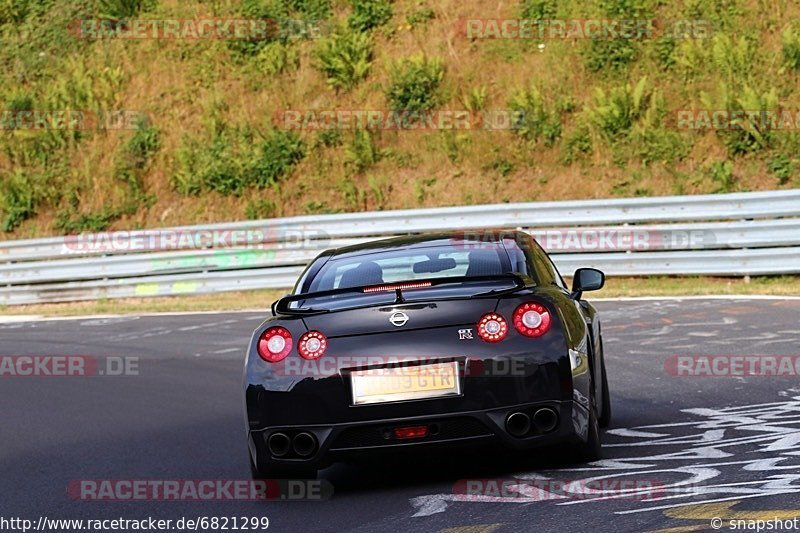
(343, 441)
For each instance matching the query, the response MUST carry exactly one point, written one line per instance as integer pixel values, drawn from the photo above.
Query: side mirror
(274, 306)
(587, 279)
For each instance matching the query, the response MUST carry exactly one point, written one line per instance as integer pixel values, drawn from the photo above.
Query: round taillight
(532, 319)
(312, 345)
(275, 344)
(492, 327)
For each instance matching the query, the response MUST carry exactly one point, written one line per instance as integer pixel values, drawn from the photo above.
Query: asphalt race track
(702, 447)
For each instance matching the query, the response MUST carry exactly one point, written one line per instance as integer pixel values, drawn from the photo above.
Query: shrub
(311, 9)
(414, 84)
(18, 199)
(369, 14)
(733, 59)
(722, 176)
(782, 167)
(748, 133)
(123, 9)
(615, 112)
(609, 54)
(362, 152)
(577, 145)
(538, 9)
(790, 38)
(277, 58)
(532, 118)
(68, 222)
(420, 17)
(345, 59)
(279, 152)
(260, 208)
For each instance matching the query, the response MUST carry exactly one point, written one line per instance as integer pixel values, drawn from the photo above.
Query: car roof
(428, 240)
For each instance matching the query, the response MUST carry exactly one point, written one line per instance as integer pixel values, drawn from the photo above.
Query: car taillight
(275, 344)
(532, 319)
(492, 327)
(312, 345)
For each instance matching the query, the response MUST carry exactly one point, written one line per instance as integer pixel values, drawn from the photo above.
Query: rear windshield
(410, 264)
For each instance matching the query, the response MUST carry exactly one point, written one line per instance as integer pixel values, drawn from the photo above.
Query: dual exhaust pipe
(303, 444)
(519, 424)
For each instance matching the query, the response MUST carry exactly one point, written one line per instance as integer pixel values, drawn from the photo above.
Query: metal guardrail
(727, 235)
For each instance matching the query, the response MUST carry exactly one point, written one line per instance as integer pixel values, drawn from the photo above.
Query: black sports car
(443, 339)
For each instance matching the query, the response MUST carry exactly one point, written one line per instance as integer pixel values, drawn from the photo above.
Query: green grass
(585, 111)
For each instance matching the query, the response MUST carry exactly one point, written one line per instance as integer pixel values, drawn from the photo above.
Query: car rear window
(408, 265)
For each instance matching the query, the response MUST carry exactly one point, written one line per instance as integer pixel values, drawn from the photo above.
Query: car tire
(281, 472)
(592, 449)
(605, 416)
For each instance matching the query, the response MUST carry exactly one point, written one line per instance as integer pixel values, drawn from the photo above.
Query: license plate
(405, 383)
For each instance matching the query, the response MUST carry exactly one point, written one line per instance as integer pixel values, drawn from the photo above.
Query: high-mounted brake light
(532, 319)
(275, 344)
(312, 345)
(402, 286)
(492, 327)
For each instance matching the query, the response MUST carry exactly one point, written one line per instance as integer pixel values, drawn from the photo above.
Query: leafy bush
(329, 138)
(420, 16)
(659, 144)
(615, 112)
(277, 58)
(133, 159)
(311, 9)
(532, 118)
(577, 145)
(368, 14)
(722, 176)
(609, 54)
(123, 9)
(345, 59)
(362, 152)
(260, 208)
(745, 133)
(538, 9)
(278, 153)
(790, 38)
(13, 11)
(782, 167)
(733, 59)
(414, 84)
(68, 222)
(18, 199)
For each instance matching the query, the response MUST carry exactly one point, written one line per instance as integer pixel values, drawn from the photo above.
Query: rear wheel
(592, 449)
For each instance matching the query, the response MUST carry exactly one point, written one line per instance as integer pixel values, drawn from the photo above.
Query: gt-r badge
(399, 319)
(465, 334)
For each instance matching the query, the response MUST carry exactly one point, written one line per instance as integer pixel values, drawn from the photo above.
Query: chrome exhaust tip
(518, 424)
(545, 420)
(278, 444)
(304, 444)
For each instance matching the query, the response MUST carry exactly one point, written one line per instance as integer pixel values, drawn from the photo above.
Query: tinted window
(410, 264)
